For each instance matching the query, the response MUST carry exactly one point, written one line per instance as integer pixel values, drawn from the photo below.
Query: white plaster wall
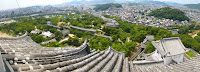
(158, 55)
(178, 58)
(167, 60)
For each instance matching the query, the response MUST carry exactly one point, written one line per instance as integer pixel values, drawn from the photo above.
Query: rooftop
(170, 46)
(31, 57)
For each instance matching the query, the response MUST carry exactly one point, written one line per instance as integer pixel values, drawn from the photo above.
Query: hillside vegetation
(107, 6)
(193, 6)
(169, 13)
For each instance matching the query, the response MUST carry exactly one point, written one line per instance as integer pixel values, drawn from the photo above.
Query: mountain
(193, 6)
(169, 13)
(173, 4)
(107, 6)
(74, 2)
(154, 2)
(162, 3)
(91, 2)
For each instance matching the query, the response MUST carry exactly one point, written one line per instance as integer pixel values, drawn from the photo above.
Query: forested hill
(193, 6)
(106, 6)
(169, 13)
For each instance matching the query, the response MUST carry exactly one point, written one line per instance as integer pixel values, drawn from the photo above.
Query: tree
(149, 48)
(111, 31)
(197, 38)
(119, 47)
(192, 25)
(139, 36)
(197, 27)
(183, 30)
(39, 39)
(169, 13)
(115, 37)
(53, 44)
(123, 36)
(198, 34)
(78, 33)
(100, 43)
(106, 6)
(72, 41)
(58, 35)
(188, 41)
(164, 33)
(130, 45)
(153, 31)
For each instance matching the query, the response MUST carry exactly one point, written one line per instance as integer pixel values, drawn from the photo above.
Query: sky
(182, 1)
(10, 4)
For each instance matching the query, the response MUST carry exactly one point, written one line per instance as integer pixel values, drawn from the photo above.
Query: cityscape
(100, 36)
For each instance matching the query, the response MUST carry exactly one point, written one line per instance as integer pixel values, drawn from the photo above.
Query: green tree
(149, 48)
(130, 45)
(39, 39)
(197, 38)
(169, 13)
(198, 34)
(72, 41)
(183, 30)
(106, 6)
(139, 36)
(119, 47)
(58, 35)
(100, 43)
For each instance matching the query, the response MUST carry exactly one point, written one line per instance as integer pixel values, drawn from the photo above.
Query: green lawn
(191, 54)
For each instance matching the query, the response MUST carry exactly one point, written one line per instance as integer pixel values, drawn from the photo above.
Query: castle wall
(178, 58)
(158, 55)
(167, 60)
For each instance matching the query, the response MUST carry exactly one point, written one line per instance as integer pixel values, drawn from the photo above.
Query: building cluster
(193, 14)
(27, 10)
(110, 22)
(138, 14)
(6, 21)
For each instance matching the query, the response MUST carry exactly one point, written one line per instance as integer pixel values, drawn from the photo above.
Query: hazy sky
(10, 4)
(182, 1)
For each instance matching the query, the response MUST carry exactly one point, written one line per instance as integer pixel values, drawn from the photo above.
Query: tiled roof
(28, 56)
(170, 46)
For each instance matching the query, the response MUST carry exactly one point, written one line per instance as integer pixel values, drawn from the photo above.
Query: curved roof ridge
(23, 36)
(147, 62)
(81, 48)
(172, 38)
(115, 50)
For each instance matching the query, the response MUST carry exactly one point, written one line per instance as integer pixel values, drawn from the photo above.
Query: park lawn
(191, 54)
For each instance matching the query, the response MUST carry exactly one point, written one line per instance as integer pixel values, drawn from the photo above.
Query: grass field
(191, 54)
